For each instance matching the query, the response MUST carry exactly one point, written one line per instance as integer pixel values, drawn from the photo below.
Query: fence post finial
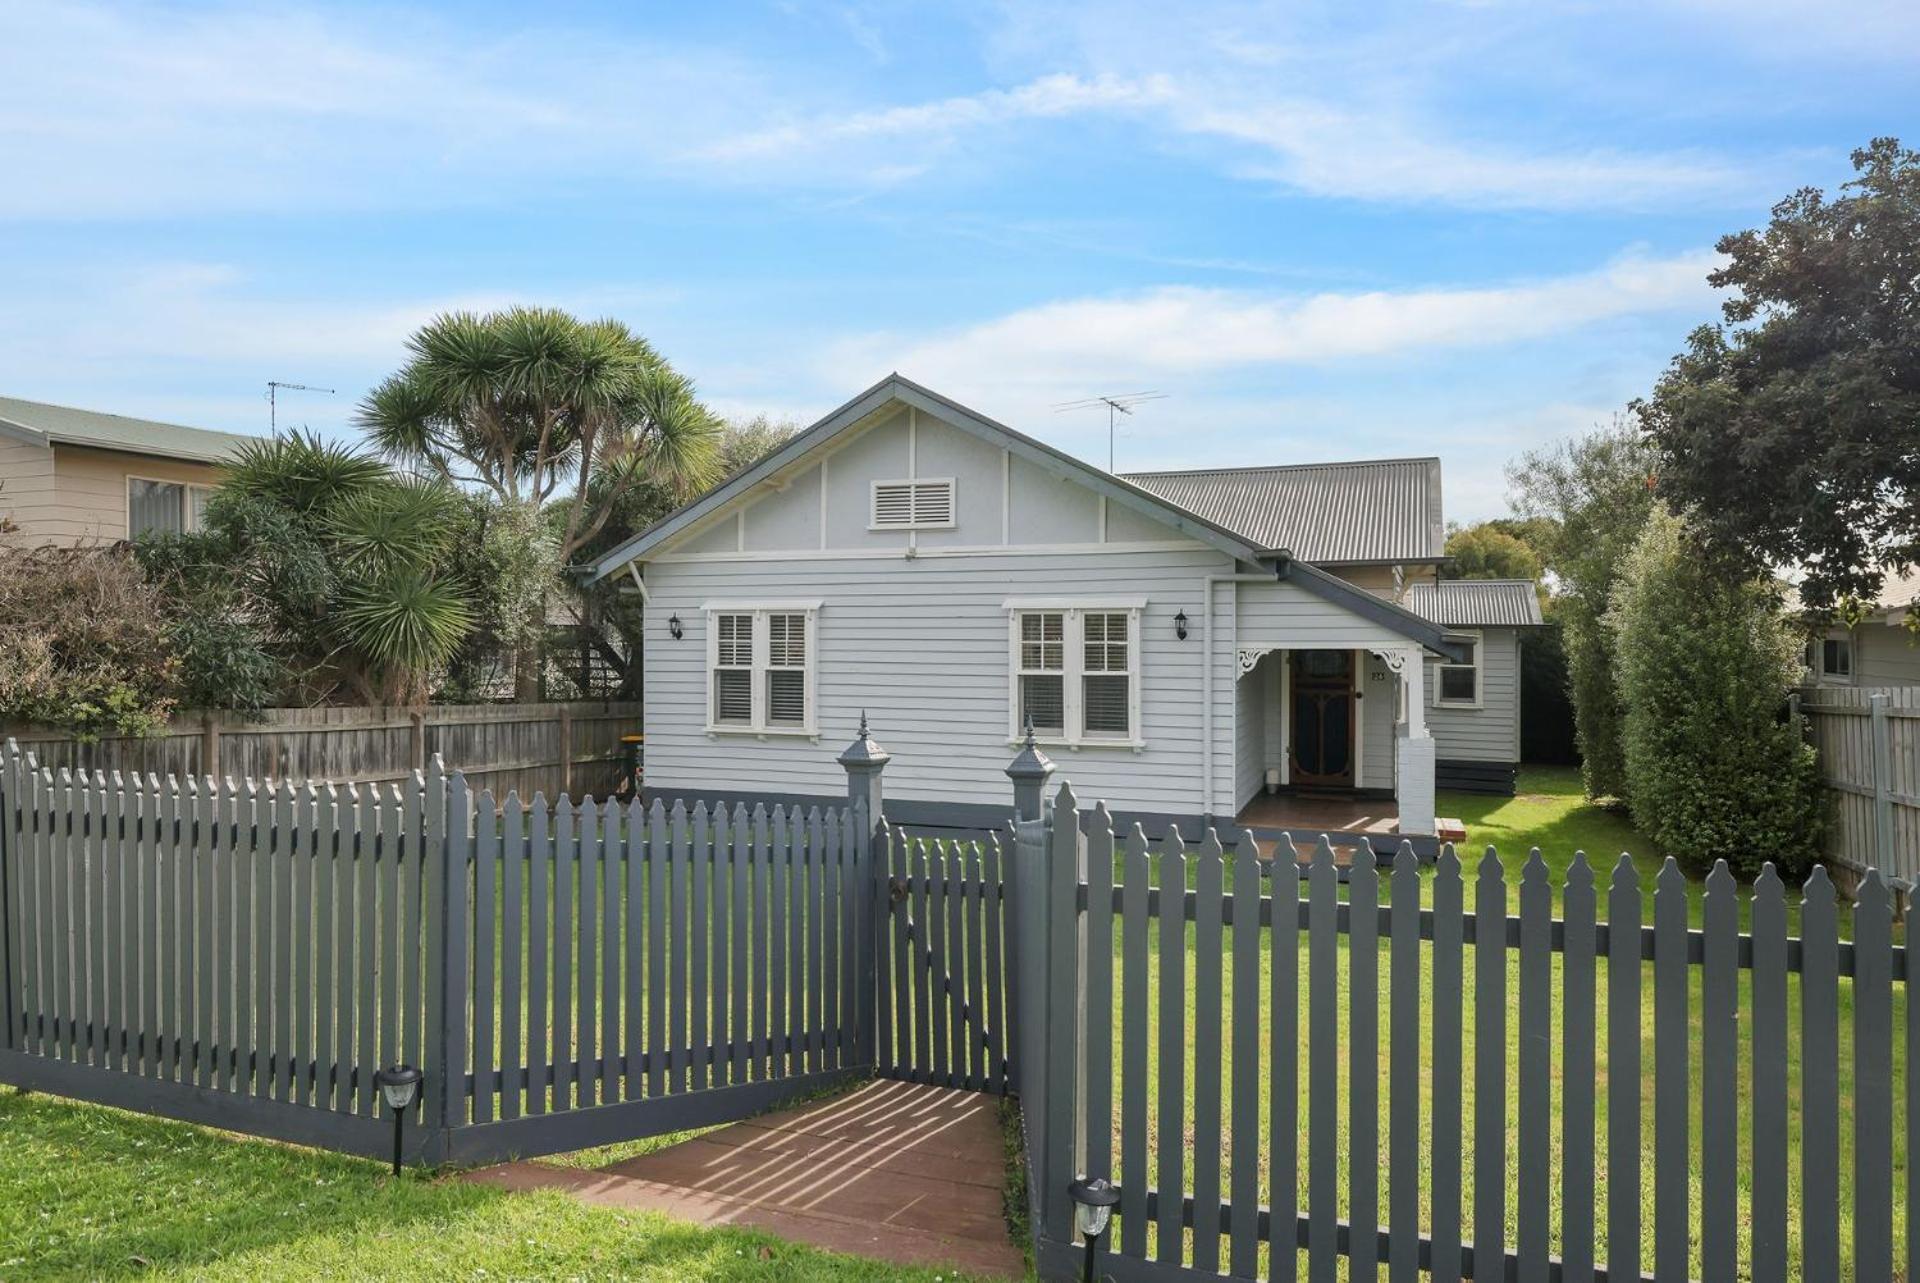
(863, 760)
(1029, 773)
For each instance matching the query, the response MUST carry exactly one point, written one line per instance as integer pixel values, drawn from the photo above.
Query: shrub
(83, 642)
(1704, 660)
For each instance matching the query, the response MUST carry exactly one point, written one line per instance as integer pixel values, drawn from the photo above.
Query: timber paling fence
(1280, 1070)
(1869, 745)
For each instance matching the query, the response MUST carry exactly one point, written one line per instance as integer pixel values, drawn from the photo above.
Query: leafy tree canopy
(536, 405)
(1491, 550)
(1791, 432)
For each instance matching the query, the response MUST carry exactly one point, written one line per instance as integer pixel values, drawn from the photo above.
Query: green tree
(320, 561)
(1490, 550)
(1788, 433)
(560, 417)
(1589, 499)
(1706, 657)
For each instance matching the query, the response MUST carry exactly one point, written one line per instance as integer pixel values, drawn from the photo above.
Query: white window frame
(758, 724)
(1817, 670)
(1479, 666)
(1074, 611)
(189, 520)
(953, 504)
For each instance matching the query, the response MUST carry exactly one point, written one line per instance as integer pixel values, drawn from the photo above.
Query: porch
(1333, 741)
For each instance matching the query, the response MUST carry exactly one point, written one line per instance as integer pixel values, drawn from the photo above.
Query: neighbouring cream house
(70, 476)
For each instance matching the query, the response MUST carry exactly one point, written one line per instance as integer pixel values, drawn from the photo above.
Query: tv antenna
(273, 400)
(1116, 406)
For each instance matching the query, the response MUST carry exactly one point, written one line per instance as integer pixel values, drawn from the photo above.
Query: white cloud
(1075, 344)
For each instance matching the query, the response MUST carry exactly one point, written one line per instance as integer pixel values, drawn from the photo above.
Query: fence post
(864, 761)
(1029, 773)
(444, 847)
(1882, 786)
(9, 971)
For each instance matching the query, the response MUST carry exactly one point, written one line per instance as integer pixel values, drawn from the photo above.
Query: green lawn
(93, 1193)
(1550, 813)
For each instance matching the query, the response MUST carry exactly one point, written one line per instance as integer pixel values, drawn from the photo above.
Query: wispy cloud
(1181, 331)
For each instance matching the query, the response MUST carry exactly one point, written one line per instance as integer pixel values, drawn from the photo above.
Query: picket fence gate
(579, 973)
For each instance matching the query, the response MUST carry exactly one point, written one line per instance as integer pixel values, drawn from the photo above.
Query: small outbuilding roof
(1476, 603)
(38, 423)
(1374, 510)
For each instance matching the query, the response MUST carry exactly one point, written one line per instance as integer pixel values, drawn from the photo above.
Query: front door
(1322, 748)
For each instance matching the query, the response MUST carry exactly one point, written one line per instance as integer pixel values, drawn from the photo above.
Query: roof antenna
(1116, 405)
(273, 401)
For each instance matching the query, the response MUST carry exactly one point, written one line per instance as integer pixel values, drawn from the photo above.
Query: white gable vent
(913, 505)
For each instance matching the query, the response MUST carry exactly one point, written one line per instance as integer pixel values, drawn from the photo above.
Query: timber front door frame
(1324, 685)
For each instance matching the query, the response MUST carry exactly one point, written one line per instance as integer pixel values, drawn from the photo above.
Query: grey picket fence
(1283, 1071)
(565, 975)
(942, 1019)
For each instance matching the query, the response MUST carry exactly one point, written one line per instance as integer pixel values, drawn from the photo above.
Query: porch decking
(1347, 822)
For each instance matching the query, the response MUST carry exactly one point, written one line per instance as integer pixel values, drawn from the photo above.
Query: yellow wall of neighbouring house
(76, 495)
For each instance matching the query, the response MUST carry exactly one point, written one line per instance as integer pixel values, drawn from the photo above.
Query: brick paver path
(894, 1171)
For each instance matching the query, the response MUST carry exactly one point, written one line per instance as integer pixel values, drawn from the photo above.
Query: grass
(93, 1193)
(1549, 813)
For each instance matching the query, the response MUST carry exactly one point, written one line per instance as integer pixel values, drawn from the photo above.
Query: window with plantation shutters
(1107, 674)
(1043, 669)
(761, 668)
(913, 505)
(1076, 675)
(787, 670)
(733, 670)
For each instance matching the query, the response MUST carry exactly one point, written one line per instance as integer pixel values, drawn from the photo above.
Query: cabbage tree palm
(560, 419)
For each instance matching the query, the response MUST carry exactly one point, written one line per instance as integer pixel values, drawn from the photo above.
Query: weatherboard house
(1266, 645)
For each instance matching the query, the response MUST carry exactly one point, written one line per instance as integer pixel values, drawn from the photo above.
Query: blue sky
(1326, 231)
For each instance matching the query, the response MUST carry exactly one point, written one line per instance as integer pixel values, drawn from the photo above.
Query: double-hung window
(1456, 683)
(760, 668)
(1076, 671)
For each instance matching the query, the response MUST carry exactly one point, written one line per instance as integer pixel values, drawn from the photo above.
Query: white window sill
(1019, 741)
(764, 732)
(1463, 705)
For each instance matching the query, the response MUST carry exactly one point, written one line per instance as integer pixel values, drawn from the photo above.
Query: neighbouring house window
(1458, 683)
(164, 507)
(761, 668)
(1830, 658)
(1076, 674)
(913, 505)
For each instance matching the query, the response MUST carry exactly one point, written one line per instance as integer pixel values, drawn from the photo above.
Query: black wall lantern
(1180, 625)
(673, 626)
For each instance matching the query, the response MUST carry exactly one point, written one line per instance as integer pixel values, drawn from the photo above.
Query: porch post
(1413, 782)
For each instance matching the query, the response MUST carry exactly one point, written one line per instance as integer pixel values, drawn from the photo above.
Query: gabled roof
(1375, 510)
(1477, 603)
(38, 423)
(897, 389)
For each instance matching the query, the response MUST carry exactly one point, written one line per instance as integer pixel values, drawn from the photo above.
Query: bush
(83, 642)
(1704, 660)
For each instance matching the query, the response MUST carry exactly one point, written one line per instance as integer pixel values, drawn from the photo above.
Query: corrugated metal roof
(1379, 510)
(64, 425)
(1476, 603)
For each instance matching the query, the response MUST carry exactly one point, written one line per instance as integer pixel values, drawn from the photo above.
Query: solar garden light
(1093, 1202)
(399, 1085)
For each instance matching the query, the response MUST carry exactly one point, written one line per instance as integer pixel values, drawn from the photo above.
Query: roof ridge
(114, 414)
(1284, 467)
